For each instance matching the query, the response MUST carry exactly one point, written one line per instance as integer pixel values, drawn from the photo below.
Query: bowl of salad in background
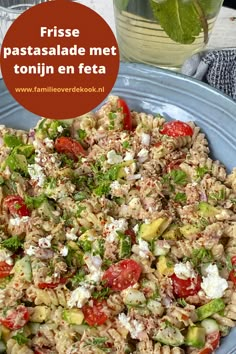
(174, 96)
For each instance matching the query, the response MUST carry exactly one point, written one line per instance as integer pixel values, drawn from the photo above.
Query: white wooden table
(224, 32)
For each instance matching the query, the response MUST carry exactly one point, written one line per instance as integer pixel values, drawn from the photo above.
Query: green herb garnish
(12, 243)
(34, 202)
(20, 338)
(112, 116)
(126, 144)
(180, 197)
(201, 171)
(12, 140)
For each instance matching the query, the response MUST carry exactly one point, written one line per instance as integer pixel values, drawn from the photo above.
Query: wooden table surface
(224, 32)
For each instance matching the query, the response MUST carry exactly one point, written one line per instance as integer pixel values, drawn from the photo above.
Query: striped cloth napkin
(216, 67)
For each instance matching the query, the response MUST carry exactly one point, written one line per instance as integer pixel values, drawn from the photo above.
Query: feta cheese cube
(213, 285)
(143, 155)
(64, 251)
(37, 174)
(145, 139)
(79, 296)
(184, 270)
(113, 158)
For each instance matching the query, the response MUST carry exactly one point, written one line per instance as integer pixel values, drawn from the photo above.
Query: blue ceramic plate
(176, 96)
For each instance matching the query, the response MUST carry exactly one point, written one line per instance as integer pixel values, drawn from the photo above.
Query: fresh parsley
(179, 177)
(218, 196)
(112, 116)
(35, 201)
(201, 171)
(81, 134)
(20, 338)
(180, 197)
(78, 278)
(201, 255)
(13, 243)
(182, 302)
(102, 294)
(12, 141)
(98, 342)
(126, 144)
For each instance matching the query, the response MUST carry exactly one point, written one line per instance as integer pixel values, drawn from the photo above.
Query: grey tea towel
(216, 67)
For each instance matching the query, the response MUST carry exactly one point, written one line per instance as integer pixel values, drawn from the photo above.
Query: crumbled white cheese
(184, 270)
(143, 249)
(128, 156)
(31, 250)
(115, 186)
(71, 235)
(113, 226)
(94, 264)
(213, 285)
(49, 143)
(79, 296)
(64, 251)
(113, 158)
(60, 129)
(17, 221)
(36, 173)
(135, 203)
(5, 256)
(136, 228)
(133, 326)
(134, 177)
(145, 139)
(143, 155)
(45, 242)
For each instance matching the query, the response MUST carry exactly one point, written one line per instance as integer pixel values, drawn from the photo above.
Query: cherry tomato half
(186, 287)
(212, 342)
(176, 129)
(16, 205)
(51, 285)
(5, 269)
(232, 274)
(121, 104)
(94, 315)
(15, 318)
(122, 274)
(69, 147)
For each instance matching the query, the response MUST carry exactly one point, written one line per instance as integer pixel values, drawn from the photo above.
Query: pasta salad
(117, 235)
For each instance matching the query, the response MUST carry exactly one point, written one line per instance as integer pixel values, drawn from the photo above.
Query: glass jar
(163, 33)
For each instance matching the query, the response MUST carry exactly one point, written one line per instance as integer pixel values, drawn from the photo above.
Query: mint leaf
(179, 19)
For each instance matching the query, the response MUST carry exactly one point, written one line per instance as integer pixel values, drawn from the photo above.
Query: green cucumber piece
(3, 347)
(210, 325)
(170, 336)
(22, 269)
(210, 308)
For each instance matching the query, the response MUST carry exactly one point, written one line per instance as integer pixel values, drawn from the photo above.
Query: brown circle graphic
(59, 59)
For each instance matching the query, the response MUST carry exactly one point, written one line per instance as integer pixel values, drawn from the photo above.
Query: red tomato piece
(16, 205)
(212, 342)
(5, 269)
(232, 274)
(52, 285)
(15, 318)
(121, 104)
(94, 315)
(206, 351)
(176, 129)
(214, 339)
(132, 235)
(122, 274)
(69, 147)
(186, 287)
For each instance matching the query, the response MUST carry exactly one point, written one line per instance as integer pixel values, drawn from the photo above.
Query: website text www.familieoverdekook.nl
(52, 89)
